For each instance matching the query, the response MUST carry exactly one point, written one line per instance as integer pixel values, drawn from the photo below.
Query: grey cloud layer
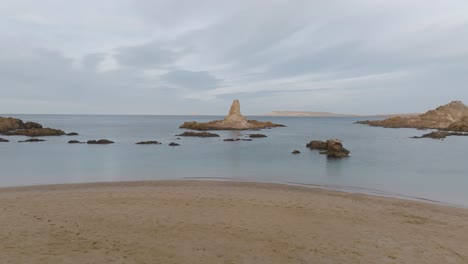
(170, 57)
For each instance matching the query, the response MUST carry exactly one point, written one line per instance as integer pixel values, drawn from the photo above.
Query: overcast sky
(195, 57)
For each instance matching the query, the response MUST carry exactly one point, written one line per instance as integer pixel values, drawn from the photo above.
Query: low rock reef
(452, 117)
(198, 134)
(441, 134)
(151, 142)
(100, 141)
(333, 148)
(233, 121)
(16, 127)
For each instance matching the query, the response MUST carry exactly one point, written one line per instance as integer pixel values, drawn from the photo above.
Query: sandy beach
(223, 222)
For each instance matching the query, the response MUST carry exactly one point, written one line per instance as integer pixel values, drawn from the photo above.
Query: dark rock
(72, 134)
(32, 140)
(75, 142)
(4, 140)
(246, 139)
(237, 139)
(173, 144)
(32, 125)
(317, 144)
(149, 143)
(257, 136)
(101, 141)
(230, 139)
(295, 151)
(333, 148)
(198, 134)
(35, 132)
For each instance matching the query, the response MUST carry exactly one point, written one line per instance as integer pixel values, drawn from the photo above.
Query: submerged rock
(295, 151)
(152, 142)
(237, 139)
(100, 141)
(333, 148)
(198, 134)
(257, 136)
(4, 140)
(173, 144)
(72, 134)
(32, 140)
(233, 121)
(452, 116)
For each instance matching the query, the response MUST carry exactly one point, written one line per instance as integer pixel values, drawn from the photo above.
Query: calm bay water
(382, 160)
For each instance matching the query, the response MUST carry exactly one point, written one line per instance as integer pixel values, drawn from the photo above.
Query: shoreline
(194, 221)
(329, 188)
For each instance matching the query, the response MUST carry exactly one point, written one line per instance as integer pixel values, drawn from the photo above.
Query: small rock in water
(32, 140)
(295, 151)
(100, 141)
(72, 134)
(152, 142)
(75, 142)
(4, 140)
(257, 136)
(173, 144)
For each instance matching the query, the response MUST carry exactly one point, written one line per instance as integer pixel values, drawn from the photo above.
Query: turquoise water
(382, 160)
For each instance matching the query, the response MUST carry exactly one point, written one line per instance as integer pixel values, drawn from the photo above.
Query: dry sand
(223, 222)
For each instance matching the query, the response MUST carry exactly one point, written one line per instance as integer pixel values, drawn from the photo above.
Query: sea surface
(383, 161)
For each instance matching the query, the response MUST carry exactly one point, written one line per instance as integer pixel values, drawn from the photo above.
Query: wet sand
(223, 222)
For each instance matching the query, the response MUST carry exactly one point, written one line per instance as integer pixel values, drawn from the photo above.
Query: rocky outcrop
(75, 142)
(16, 127)
(198, 134)
(100, 141)
(173, 144)
(295, 151)
(453, 114)
(35, 132)
(4, 140)
(72, 134)
(257, 136)
(233, 121)
(461, 125)
(441, 134)
(32, 140)
(333, 148)
(152, 142)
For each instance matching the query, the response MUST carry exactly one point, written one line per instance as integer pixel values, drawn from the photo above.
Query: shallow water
(382, 160)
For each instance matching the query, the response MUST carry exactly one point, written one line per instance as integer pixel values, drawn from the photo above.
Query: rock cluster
(333, 148)
(16, 127)
(233, 121)
(452, 116)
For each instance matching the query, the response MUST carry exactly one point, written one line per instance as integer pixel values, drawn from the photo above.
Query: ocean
(383, 161)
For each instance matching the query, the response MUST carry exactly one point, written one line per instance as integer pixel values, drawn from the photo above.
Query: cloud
(170, 57)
